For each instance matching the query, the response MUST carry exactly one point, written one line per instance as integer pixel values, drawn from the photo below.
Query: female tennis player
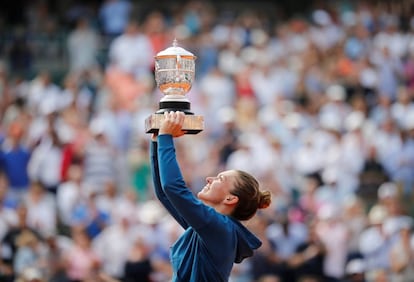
(214, 236)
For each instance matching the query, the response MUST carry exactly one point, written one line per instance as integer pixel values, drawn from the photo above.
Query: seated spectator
(307, 261)
(30, 253)
(8, 216)
(80, 260)
(265, 262)
(69, 194)
(41, 209)
(14, 158)
(355, 271)
(9, 241)
(88, 215)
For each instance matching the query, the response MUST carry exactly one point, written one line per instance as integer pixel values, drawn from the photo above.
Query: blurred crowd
(319, 107)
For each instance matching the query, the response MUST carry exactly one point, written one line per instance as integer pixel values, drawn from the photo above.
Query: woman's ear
(231, 200)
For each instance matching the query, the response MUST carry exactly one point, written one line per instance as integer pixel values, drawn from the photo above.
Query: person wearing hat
(215, 237)
(30, 255)
(373, 243)
(355, 270)
(401, 254)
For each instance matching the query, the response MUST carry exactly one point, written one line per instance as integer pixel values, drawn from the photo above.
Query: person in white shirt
(83, 43)
(69, 193)
(132, 52)
(41, 210)
(45, 163)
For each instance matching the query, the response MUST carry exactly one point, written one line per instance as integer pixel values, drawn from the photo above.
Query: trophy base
(193, 124)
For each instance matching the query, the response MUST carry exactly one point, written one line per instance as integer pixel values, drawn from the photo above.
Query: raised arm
(158, 188)
(183, 200)
(194, 212)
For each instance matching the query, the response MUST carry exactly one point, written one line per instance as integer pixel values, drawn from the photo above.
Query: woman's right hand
(172, 124)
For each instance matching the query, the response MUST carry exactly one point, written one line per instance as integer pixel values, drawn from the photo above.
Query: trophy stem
(168, 106)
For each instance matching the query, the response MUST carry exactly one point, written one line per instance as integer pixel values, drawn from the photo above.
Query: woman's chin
(201, 195)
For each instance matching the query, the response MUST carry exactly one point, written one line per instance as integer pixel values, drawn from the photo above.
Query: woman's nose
(209, 179)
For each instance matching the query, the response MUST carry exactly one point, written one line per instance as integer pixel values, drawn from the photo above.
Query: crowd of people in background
(319, 107)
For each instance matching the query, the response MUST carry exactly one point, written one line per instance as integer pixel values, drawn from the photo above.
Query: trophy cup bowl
(174, 76)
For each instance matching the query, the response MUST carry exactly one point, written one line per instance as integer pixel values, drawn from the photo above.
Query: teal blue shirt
(212, 242)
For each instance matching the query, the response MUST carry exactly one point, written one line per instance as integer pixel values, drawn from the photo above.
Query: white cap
(387, 190)
(355, 266)
(330, 175)
(330, 121)
(259, 37)
(32, 273)
(293, 120)
(321, 17)
(226, 114)
(97, 126)
(328, 211)
(354, 120)
(377, 214)
(47, 106)
(336, 92)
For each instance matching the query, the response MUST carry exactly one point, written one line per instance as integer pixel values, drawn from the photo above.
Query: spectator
(45, 163)
(89, 216)
(42, 96)
(355, 219)
(41, 210)
(112, 246)
(14, 160)
(9, 241)
(21, 53)
(8, 217)
(286, 236)
(222, 97)
(388, 143)
(265, 262)
(113, 16)
(403, 161)
(130, 64)
(108, 200)
(83, 44)
(334, 235)
(98, 160)
(68, 195)
(373, 243)
(138, 266)
(355, 270)
(31, 253)
(141, 265)
(307, 261)
(155, 27)
(401, 260)
(80, 260)
(389, 69)
(372, 175)
(140, 170)
(57, 245)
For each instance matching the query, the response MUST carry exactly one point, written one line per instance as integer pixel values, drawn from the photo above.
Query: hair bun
(265, 200)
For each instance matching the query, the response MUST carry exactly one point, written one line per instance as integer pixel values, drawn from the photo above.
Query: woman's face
(218, 187)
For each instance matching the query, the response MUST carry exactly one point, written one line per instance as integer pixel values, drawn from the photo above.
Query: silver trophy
(174, 75)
